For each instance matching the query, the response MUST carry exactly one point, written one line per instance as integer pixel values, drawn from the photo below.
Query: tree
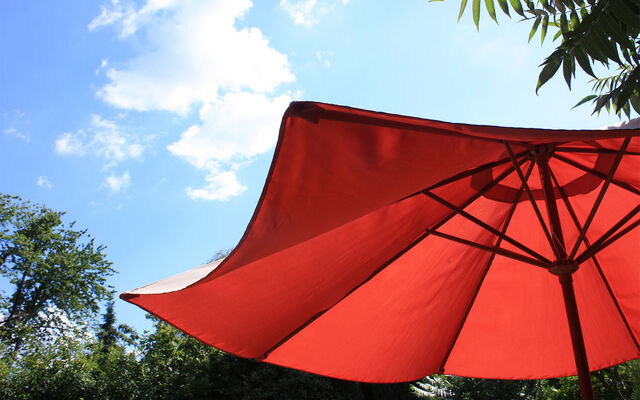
(58, 274)
(177, 366)
(108, 333)
(602, 31)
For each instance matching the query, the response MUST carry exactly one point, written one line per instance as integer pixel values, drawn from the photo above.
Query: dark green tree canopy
(57, 274)
(591, 31)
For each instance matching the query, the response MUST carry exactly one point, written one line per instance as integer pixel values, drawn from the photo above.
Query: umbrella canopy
(386, 248)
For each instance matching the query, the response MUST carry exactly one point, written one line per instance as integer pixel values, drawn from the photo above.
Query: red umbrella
(386, 248)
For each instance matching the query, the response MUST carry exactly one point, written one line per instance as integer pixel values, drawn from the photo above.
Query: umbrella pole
(579, 353)
(564, 269)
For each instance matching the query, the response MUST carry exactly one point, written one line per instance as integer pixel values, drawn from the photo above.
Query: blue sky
(153, 123)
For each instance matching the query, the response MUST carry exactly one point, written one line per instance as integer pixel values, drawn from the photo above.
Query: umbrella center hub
(544, 150)
(562, 268)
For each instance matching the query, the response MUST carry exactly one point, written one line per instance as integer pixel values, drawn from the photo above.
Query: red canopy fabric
(364, 259)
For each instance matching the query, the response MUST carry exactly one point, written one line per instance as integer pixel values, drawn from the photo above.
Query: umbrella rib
(492, 249)
(371, 276)
(602, 244)
(598, 201)
(593, 150)
(419, 239)
(594, 247)
(599, 174)
(487, 227)
(463, 175)
(574, 217)
(533, 203)
(484, 275)
(479, 194)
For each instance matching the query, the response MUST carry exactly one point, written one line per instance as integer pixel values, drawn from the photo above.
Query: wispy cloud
(306, 12)
(104, 139)
(302, 11)
(115, 183)
(70, 144)
(324, 57)
(14, 124)
(108, 141)
(43, 181)
(194, 55)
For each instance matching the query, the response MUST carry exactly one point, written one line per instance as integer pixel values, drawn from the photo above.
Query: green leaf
(584, 100)
(602, 101)
(635, 102)
(612, 26)
(575, 20)
(607, 47)
(621, 11)
(537, 12)
(564, 25)
(557, 35)
(584, 12)
(567, 69)
(626, 89)
(627, 109)
(534, 28)
(593, 50)
(476, 13)
(543, 31)
(570, 4)
(551, 66)
(463, 5)
(491, 9)
(626, 55)
(559, 6)
(504, 6)
(545, 5)
(583, 60)
(517, 7)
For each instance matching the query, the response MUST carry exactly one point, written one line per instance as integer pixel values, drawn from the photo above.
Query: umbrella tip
(307, 110)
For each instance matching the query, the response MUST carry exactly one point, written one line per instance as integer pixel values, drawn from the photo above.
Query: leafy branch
(592, 31)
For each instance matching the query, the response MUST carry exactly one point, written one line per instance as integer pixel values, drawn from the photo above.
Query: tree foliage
(177, 366)
(167, 364)
(57, 274)
(620, 382)
(606, 32)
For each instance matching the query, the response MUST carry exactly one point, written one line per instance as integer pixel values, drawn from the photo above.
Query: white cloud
(233, 130)
(104, 139)
(70, 144)
(194, 52)
(220, 186)
(117, 183)
(194, 55)
(240, 125)
(43, 181)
